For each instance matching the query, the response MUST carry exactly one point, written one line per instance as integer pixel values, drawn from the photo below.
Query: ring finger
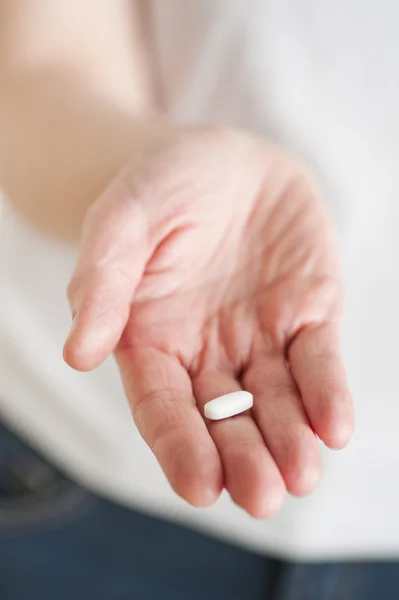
(281, 417)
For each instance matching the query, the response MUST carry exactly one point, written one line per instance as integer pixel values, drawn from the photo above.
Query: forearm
(67, 125)
(60, 144)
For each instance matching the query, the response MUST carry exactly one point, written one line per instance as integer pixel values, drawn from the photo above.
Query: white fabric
(323, 79)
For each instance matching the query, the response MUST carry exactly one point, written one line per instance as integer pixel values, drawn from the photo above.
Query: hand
(208, 266)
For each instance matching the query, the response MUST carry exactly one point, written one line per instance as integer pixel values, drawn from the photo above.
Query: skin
(209, 266)
(207, 262)
(76, 98)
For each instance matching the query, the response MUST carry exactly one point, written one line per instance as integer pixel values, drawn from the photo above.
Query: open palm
(209, 266)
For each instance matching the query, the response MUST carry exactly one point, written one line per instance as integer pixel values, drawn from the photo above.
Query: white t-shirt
(322, 78)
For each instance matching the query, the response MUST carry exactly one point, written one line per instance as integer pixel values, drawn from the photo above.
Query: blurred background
(85, 509)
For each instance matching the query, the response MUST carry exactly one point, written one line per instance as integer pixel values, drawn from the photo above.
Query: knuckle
(110, 315)
(284, 390)
(242, 448)
(283, 414)
(162, 434)
(161, 413)
(121, 275)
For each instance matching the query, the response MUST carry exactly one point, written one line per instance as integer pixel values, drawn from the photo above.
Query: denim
(59, 541)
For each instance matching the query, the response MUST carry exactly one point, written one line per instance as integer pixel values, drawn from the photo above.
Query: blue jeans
(59, 541)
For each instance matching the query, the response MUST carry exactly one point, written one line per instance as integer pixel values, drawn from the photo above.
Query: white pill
(228, 405)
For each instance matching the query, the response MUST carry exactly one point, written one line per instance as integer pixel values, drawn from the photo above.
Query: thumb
(111, 262)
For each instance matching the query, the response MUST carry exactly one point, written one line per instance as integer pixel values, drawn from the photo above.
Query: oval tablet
(228, 405)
